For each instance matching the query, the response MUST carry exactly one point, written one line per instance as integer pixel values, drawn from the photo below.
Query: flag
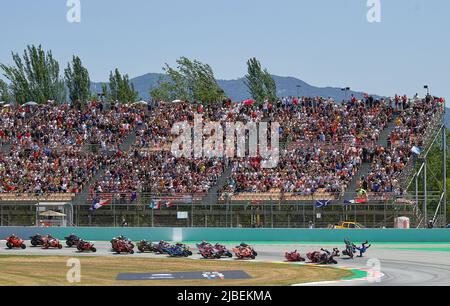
(97, 203)
(322, 203)
(155, 204)
(416, 150)
(355, 201)
(133, 196)
(169, 204)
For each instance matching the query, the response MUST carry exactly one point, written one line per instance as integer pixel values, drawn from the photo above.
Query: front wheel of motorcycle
(9, 245)
(131, 252)
(93, 249)
(23, 246)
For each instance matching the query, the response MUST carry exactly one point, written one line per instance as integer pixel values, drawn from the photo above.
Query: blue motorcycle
(178, 250)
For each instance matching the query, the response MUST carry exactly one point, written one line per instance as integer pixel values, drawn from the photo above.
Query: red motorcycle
(122, 245)
(314, 257)
(293, 256)
(51, 242)
(86, 246)
(15, 242)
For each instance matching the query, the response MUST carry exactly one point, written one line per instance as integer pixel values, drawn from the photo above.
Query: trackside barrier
(237, 234)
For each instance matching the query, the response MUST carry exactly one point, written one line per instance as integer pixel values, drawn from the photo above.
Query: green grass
(97, 271)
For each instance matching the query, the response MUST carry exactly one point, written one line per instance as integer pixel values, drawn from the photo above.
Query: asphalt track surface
(399, 264)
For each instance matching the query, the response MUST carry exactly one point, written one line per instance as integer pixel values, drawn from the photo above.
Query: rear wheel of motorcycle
(69, 244)
(33, 243)
(23, 246)
(141, 250)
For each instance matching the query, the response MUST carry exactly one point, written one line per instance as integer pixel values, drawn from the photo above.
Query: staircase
(82, 197)
(5, 148)
(213, 193)
(365, 166)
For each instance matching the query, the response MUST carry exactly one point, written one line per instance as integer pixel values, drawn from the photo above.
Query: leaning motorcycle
(293, 256)
(86, 246)
(145, 246)
(72, 240)
(15, 242)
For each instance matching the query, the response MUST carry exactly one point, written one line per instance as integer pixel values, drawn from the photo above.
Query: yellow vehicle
(347, 224)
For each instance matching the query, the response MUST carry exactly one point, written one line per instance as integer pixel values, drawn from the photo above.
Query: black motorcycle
(349, 249)
(145, 246)
(72, 240)
(327, 258)
(36, 240)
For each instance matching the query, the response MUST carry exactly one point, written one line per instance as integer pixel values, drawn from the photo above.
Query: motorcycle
(314, 257)
(145, 245)
(349, 249)
(161, 247)
(223, 251)
(178, 250)
(323, 257)
(50, 242)
(244, 251)
(15, 242)
(209, 252)
(293, 256)
(120, 245)
(86, 246)
(37, 240)
(202, 245)
(72, 240)
(327, 258)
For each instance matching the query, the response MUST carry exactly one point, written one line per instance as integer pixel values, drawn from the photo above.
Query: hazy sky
(323, 42)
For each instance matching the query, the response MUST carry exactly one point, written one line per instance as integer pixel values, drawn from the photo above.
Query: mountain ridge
(237, 91)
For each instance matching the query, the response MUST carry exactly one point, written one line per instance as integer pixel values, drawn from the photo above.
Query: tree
(162, 92)
(4, 92)
(120, 88)
(34, 76)
(191, 80)
(259, 82)
(77, 80)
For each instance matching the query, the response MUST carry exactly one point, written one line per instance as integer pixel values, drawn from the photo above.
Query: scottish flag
(322, 203)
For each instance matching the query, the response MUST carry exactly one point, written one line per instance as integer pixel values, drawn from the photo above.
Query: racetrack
(400, 264)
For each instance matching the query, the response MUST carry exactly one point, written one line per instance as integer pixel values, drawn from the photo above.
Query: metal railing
(189, 211)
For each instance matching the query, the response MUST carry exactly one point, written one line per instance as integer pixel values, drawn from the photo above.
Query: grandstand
(356, 157)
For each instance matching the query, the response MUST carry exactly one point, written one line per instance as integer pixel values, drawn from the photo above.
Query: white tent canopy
(31, 103)
(140, 103)
(51, 213)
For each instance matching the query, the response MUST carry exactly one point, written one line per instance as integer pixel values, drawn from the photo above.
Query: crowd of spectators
(411, 124)
(324, 144)
(47, 151)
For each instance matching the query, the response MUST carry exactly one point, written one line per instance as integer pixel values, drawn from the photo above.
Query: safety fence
(187, 210)
(234, 235)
